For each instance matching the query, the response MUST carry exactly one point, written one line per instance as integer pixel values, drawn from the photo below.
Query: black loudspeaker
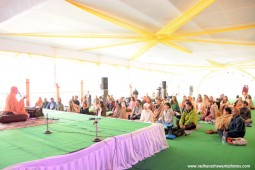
(105, 83)
(163, 84)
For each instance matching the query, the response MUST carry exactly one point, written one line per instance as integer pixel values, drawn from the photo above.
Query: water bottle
(223, 139)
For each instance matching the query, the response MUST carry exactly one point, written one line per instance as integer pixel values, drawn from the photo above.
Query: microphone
(94, 118)
(47, 125)
(54, 118)
(19, 94)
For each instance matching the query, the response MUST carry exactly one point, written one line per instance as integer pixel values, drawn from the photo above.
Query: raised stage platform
(70, 145)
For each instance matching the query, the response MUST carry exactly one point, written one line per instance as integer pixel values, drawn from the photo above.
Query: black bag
(177, 132)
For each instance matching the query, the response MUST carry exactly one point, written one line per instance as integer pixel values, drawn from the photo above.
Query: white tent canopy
(63, 26)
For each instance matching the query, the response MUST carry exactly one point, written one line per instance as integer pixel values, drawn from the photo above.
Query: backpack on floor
(177, 132)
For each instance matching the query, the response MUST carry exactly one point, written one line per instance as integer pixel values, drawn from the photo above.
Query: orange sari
(39, 103)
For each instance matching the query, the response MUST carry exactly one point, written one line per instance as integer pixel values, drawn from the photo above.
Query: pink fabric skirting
(119, 152)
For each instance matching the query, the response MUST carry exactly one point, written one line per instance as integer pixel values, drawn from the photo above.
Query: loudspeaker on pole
(163, 84)
(104, 82)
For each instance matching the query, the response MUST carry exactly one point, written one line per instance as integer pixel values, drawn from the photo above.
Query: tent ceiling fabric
(170, 33)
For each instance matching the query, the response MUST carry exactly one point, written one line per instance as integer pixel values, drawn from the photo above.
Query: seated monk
(39, 102)
(14, 109)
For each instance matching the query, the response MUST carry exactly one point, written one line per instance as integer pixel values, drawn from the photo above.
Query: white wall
(45, 72)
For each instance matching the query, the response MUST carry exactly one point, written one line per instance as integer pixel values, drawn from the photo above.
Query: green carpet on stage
(74, 132)
(200, 148)
(71, 133)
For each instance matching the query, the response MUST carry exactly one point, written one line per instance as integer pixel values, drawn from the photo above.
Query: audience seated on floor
(222, 122)
(151, 105)
(117, 111)
(110, 104)
(206, 100)
(137, 110)
(239, 103)
(89, 98)
(237, 99)
(39, 103)
(212, 109)
(73, 107)
(211, 98)
(178, 116)
(207, 111)
(96, 104)
(175, 105)
(45, 103)
(189, 117)
(143, 100)
(123, 103)
(101, 110)
(76, 101)
(52, 104)
(200, 106)
(167, 116)
(217, 102)
(84, 108)
(224, 103)
(245, 113)
(159, 108)
(165, 100)
(146, 115)
(236, 127)
(250, 103)
(131, 104)
(183, 103)
(14, 110)
(60, 106)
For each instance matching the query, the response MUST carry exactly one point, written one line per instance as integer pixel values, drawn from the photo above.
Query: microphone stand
(47, 125)
(97, 139)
